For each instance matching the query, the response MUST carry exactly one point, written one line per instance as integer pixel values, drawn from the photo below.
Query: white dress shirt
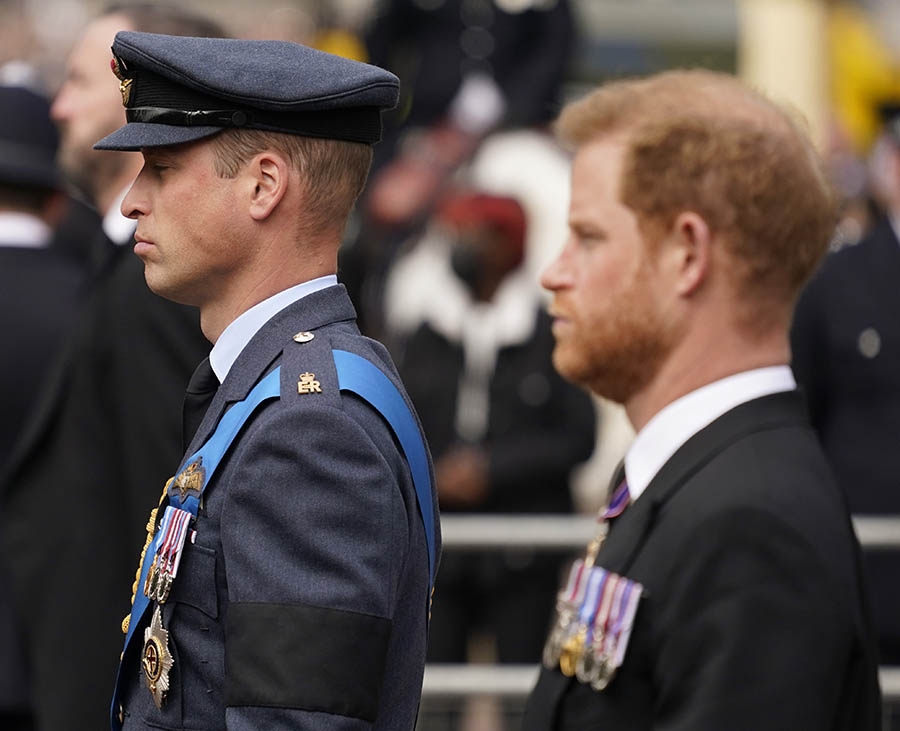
(235, 337)
(670, 428)
(23, 230)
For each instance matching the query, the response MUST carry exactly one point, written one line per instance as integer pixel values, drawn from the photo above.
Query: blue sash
(355, 374)
(366, 380)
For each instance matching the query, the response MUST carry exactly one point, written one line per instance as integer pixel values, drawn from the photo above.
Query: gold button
(121, 714)
(303, 337)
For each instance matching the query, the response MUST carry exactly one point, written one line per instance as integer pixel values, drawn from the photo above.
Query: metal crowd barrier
(564, 532)
(516, 681)
(554, 532)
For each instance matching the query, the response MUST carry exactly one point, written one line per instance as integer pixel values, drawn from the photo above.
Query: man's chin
(164, 289)
(569, 367)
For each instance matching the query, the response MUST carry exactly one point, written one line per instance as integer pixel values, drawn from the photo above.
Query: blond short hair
(334, 172)
(704, 142)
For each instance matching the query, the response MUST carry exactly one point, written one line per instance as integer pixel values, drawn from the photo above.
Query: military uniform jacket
(302, 602)
(753, 615)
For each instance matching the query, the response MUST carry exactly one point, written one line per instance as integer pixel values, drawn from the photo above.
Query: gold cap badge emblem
(124, 82)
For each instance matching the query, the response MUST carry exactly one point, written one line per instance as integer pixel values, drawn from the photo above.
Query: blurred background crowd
(465, 204)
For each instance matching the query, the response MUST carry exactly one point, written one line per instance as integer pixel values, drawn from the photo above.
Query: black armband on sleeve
(305, 657)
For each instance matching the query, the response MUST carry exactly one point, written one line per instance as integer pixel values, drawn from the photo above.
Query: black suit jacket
(754, 615)
(39, 293)
(104, 437)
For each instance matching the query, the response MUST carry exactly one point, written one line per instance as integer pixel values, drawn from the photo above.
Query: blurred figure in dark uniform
(473, 345)
(39, 291)
(107, 421)
(846, 347)
(467, 68)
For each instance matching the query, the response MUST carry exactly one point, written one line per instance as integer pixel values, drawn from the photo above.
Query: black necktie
(200, 391)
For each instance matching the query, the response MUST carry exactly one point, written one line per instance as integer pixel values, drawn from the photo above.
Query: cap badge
(124, 82)
(308, 384)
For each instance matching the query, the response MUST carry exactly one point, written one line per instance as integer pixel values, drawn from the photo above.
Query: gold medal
(150, 583)
(157, 660)
(571, 650)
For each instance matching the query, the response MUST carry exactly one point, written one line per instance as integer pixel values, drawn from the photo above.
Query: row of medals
(157, 660)
(593, 614)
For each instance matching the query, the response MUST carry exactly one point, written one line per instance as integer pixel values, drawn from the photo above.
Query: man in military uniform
(723, 590)
(286, 576)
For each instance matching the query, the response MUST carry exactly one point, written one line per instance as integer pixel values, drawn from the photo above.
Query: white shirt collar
(235, 337)
(670, 428)
(24, 230)
(118, 228)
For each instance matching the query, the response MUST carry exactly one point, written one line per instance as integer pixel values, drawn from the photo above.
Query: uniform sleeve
(739, 645)
(314, 537)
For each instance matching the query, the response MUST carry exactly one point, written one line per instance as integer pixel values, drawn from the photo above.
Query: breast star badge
(157, 661)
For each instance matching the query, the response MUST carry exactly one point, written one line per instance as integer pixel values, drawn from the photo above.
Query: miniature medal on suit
(594, 613)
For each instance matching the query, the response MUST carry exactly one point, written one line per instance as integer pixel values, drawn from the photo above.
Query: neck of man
(705, 356)
(261, 281)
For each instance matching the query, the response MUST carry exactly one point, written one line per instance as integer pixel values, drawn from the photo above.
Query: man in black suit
(39, 290)
(106, 427)
(727, 593)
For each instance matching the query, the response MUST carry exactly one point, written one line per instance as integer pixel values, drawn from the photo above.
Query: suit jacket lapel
(628, 531)
(325, 307)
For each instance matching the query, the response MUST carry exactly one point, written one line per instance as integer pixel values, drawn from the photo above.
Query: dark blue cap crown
(178, 89)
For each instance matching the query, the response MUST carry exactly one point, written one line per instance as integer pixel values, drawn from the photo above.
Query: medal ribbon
(623, 630)
(573, 588)
(588, 611)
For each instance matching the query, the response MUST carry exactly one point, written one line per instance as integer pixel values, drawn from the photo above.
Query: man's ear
(689, 252)
(269, 176)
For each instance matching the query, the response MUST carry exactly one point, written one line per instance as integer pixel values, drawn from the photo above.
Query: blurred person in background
(723, 589)
(467, 68)
(39, 292)
(106, 427)
(846, 346)
(473, 346)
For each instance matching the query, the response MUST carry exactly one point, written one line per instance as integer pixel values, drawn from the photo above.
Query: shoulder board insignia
(308, 384)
